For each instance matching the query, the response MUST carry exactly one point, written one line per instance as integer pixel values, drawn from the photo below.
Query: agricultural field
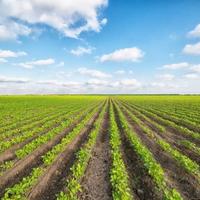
(100, 147)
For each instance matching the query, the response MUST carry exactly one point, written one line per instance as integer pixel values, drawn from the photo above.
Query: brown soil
(170, 129)
(26, 122)
(9, 154)
(29, 129)
(54, 178)
(188, 126)
(178, 178)
(24, 166)
(141, 183)
(171, 138)
(96, 182)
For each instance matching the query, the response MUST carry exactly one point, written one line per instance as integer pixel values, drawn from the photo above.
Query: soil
(54, 179)
(172, 130)
(9, 154)
(96, 182)
(178, 178)
(24, 166)
(141, 183)
(171, 138)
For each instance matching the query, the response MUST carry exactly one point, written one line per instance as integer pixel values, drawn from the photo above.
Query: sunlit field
(99, 147)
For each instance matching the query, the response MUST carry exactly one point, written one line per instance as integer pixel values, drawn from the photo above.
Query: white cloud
(57, 83)
(131, 82)
(133, 54)
(127, 83)
(32, 64)
(104, 21)
(176, 66)
(11, 54)
(97, 82)
(11, 85)
(48, 82)
(63, 74)
(191, 76)
(3, 60)
(10, 30)
(70, 18)
(195, 32)
(79, 51)
(166, 77)
(93, 73)
(73, 84)
(163, 86)
(196, 68)
(120, 72)
(4, 79)
(192, 49)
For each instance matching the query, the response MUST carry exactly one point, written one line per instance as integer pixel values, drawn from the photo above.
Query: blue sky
(101, 46)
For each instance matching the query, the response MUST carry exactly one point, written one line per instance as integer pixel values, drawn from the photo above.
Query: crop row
(179, 121)
(29, 119)
(168, 123)
(50, 122)
(19, 190)
(191, 166)
(162, 130)
(77, 171)
(118, 175)
(154, 169)
(40, 121)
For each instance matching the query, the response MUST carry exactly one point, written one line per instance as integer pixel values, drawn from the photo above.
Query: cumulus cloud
(10, 30)
(195, 32)
(176, 66)
(11, 54)
(192, 49)
(133, 54)
(79, 51)
(93, 73)
(32, 64)
(70, 18)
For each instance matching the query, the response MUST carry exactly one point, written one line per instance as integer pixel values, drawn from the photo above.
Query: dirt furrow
(96, 182)
(55, 176)
(177, 134)
(24, 166)
(178, 178)
(9, 154)
(142, 184)
(171, 138)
